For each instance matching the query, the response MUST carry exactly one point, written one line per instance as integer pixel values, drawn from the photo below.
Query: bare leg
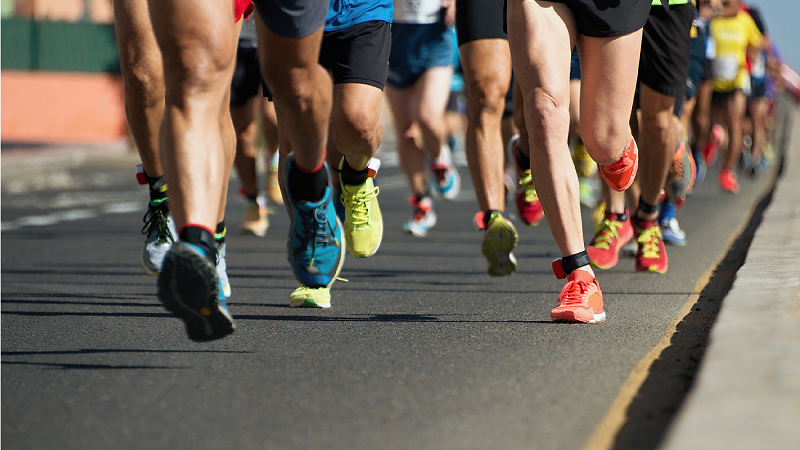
(356, 118)
(487, 73)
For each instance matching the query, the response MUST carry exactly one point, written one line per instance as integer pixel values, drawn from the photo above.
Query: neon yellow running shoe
(499, 239)
(306, 297)
(363, 224)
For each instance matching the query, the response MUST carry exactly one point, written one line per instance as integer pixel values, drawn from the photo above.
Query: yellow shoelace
(526, 187)
(359, 205)
(649, 238)
(606, 232)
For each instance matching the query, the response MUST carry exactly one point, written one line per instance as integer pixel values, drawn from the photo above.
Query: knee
(546, 116)
(356, 129)
(144, 84)
(486, 96)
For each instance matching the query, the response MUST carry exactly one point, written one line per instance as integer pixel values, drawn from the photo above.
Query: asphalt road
(421, 349)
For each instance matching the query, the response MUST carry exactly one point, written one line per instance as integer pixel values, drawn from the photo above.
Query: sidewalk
(747, 393)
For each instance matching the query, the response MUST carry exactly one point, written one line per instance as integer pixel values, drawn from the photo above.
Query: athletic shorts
(608, 18)
(358, 54)
(666, 46)
(479, 19)
(758, 87)
(246, 76)
(292, 18)
(697, 62)
(721, 98)
(575, 66)
(417, 48)
(352, 54)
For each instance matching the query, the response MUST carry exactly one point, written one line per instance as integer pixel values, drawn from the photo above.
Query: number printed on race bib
(726, 67)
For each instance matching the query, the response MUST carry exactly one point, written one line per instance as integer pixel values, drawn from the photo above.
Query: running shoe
(682, 173)
(159, 229)
(728, 182)
(588, 197)
(609, 237)
(499, 239)
(527, 200)
(363, 223)
(189, 288)
(254, 219)
(424, 217)
(700, 164)
(584, 164)
(306, 297)
(316, 243)
(672, 233)
(448, 181)
(273, 185)
(620, 175)
(222, 271)
(651, 256)
(712, 146)
(581, 300)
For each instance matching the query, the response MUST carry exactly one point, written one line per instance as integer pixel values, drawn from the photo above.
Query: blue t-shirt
(346, 13)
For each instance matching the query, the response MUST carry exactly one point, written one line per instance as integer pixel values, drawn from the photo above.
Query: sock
(158, 192)
(219, 236)
(523, 161)
(307, 186)
(350, 176)
(202, 237)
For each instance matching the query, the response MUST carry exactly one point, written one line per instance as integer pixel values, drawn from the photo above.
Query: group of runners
(192, 97)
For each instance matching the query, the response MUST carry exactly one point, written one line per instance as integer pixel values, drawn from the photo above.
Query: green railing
(58, 46)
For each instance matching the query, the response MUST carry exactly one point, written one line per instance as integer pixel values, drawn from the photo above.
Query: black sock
(219, 235)
(202, 238)
(352, 177)
(307, 187)
(523, 161)
(158, 193)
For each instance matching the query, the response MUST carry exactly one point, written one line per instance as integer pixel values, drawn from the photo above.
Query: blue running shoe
(316, 242)
(448, 181)
(701, 167)
(672, 233)
(189, 288)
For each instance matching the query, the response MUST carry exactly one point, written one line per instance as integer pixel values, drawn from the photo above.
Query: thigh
(433, 91)
(541, 36)
(138, 48)
(608, 81)
(486, 64)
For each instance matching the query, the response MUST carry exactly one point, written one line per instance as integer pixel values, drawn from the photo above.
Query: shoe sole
(316, 298)
(569, 317)
(188, 287)
(651, 269)
(497, 249)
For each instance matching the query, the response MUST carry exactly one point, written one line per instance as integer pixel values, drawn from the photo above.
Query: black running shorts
(666, 49)
(246, 76)
(292, 18)
(359, 54)
(479, 19)
(608, 18)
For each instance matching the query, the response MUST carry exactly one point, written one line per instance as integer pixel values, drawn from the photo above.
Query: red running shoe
(651, 256)
(528, 205)
(728, 182)
(608, 239)
(712, 146)
(581, 300)
(620, 175)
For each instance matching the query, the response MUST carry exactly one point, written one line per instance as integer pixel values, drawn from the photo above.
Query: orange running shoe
(651, 255)
(620, 175)
(609, 237)
(581, 300)
(711, 148)
(728, 182)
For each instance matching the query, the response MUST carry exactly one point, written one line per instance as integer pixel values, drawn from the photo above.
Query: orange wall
(62, 107)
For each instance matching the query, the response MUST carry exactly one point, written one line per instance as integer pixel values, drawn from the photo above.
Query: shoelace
(315, 223)
(155, 220)
(526, 187)
(649, 239)
(359, 205)
(607, 231)
(574, 293)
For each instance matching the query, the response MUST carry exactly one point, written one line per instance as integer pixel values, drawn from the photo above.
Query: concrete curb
(747, 393)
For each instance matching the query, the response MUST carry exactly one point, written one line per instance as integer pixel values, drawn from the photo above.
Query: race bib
(726, 67)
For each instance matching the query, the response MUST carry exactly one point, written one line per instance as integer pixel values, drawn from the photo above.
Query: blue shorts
(417, 48)
(575, 66)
